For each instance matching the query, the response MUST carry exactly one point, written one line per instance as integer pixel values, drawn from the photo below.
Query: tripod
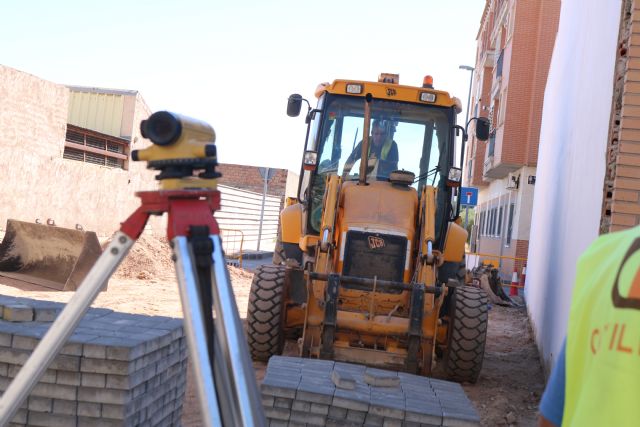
(226, 385)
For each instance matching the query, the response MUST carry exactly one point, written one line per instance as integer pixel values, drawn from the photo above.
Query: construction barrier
(232, 242)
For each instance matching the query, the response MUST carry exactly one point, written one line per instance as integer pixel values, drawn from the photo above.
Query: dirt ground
(507, 393)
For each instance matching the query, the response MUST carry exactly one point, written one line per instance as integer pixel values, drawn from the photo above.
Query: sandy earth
(507, 393)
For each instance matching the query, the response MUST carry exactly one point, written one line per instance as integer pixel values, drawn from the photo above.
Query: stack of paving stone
(299, 392)
(117, 369)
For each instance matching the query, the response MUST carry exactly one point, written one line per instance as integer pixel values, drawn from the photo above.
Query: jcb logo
(391, 92)
(626, 289)
(376, 242)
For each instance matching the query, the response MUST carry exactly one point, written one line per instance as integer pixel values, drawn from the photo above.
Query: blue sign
(468, 196)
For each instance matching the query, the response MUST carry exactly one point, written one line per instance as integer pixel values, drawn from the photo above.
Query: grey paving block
(40, 404)
(308, 418)
(93, 380)
(356, 416)
(277, 413)
(5, 338)
(391, 422)
(97, 422)
(56, 391)
(314, 393)
(20, 417)
(88, 409)
(279, 388)
(282, 402)
(301, 406)
(431, 414)
(50, 420)
(66, 363)
(267, 400)
(343, 380)
(372, 420)
(278, 423)
(381, 378)
(101, 366)
(49, 375)
(13, 356)
(68, 378)
(24, 343)
(357, 399)
(341, 423)
(65, 407)
(387, 406)
(337, 413)
(319, 408)
(282, 373)
(71, 349)
(17, 312)
(101, 395)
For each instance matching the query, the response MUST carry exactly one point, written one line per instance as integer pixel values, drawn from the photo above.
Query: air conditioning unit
(513, 181)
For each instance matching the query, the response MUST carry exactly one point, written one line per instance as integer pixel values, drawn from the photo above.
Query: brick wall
(248, 178)
(621, 209)
(39, 183)
(534, 34)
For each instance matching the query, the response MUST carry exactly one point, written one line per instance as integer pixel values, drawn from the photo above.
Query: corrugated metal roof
(101, 90)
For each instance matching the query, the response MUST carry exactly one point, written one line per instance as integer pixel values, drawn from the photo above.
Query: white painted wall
(571, 163)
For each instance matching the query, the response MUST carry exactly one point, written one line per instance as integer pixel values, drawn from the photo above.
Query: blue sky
(234, 63)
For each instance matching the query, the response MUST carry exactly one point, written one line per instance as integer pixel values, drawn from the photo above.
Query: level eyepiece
(162, 128)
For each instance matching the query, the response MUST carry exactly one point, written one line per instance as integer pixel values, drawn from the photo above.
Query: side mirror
(482, 128)
(294, 104)
(455, 177)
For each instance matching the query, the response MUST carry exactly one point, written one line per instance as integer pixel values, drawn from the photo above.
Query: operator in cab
(383, 152)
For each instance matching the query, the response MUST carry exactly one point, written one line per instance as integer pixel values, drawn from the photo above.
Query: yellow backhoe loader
(373, 256)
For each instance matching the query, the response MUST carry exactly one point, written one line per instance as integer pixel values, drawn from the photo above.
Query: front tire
(265, 334)
(467, 336)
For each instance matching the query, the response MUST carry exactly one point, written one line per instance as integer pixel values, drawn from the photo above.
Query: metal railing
(232, 242)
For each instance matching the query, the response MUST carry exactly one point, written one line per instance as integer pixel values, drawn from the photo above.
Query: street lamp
(466, 120)
(468, 68)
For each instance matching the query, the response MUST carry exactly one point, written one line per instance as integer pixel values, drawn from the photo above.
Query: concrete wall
(571, 162)
(38, 182)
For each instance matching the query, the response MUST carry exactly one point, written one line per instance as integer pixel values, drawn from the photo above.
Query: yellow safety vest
(603, 338)
(384, 152)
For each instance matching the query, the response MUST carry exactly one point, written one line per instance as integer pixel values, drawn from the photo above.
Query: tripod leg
(230, 335)
(63, 327)
(195, 331)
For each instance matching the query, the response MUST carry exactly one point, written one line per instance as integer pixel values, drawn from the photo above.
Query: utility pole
(266, 174)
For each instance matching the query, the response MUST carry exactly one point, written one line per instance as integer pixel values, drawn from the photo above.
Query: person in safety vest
(596, 379)
(383, 151)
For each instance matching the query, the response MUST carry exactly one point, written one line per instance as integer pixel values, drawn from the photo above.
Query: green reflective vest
(603, 338)
(386, 147)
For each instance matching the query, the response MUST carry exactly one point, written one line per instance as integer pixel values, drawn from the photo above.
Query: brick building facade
(621, 207)
(515, 43)
(248, 178)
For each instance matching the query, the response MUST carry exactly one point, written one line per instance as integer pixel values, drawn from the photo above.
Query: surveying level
(225, 379)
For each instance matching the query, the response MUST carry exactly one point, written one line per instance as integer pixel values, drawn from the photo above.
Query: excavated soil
(507, 392)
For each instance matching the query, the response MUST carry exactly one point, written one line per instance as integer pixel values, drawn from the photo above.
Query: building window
(89, 146)
(512, 209)
(499, 221)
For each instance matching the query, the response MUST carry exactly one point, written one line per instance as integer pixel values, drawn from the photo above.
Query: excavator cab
(371, 262)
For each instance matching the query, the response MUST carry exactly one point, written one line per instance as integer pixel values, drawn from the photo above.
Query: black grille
(372, 255)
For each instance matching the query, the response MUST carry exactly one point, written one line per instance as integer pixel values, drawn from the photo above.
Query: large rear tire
(467, 335)
(279, 256)
(265, 334)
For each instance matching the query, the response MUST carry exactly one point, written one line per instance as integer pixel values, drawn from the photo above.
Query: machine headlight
(354, 88)
(427, 97)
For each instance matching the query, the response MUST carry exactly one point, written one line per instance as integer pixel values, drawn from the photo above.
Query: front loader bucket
(49, 256)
